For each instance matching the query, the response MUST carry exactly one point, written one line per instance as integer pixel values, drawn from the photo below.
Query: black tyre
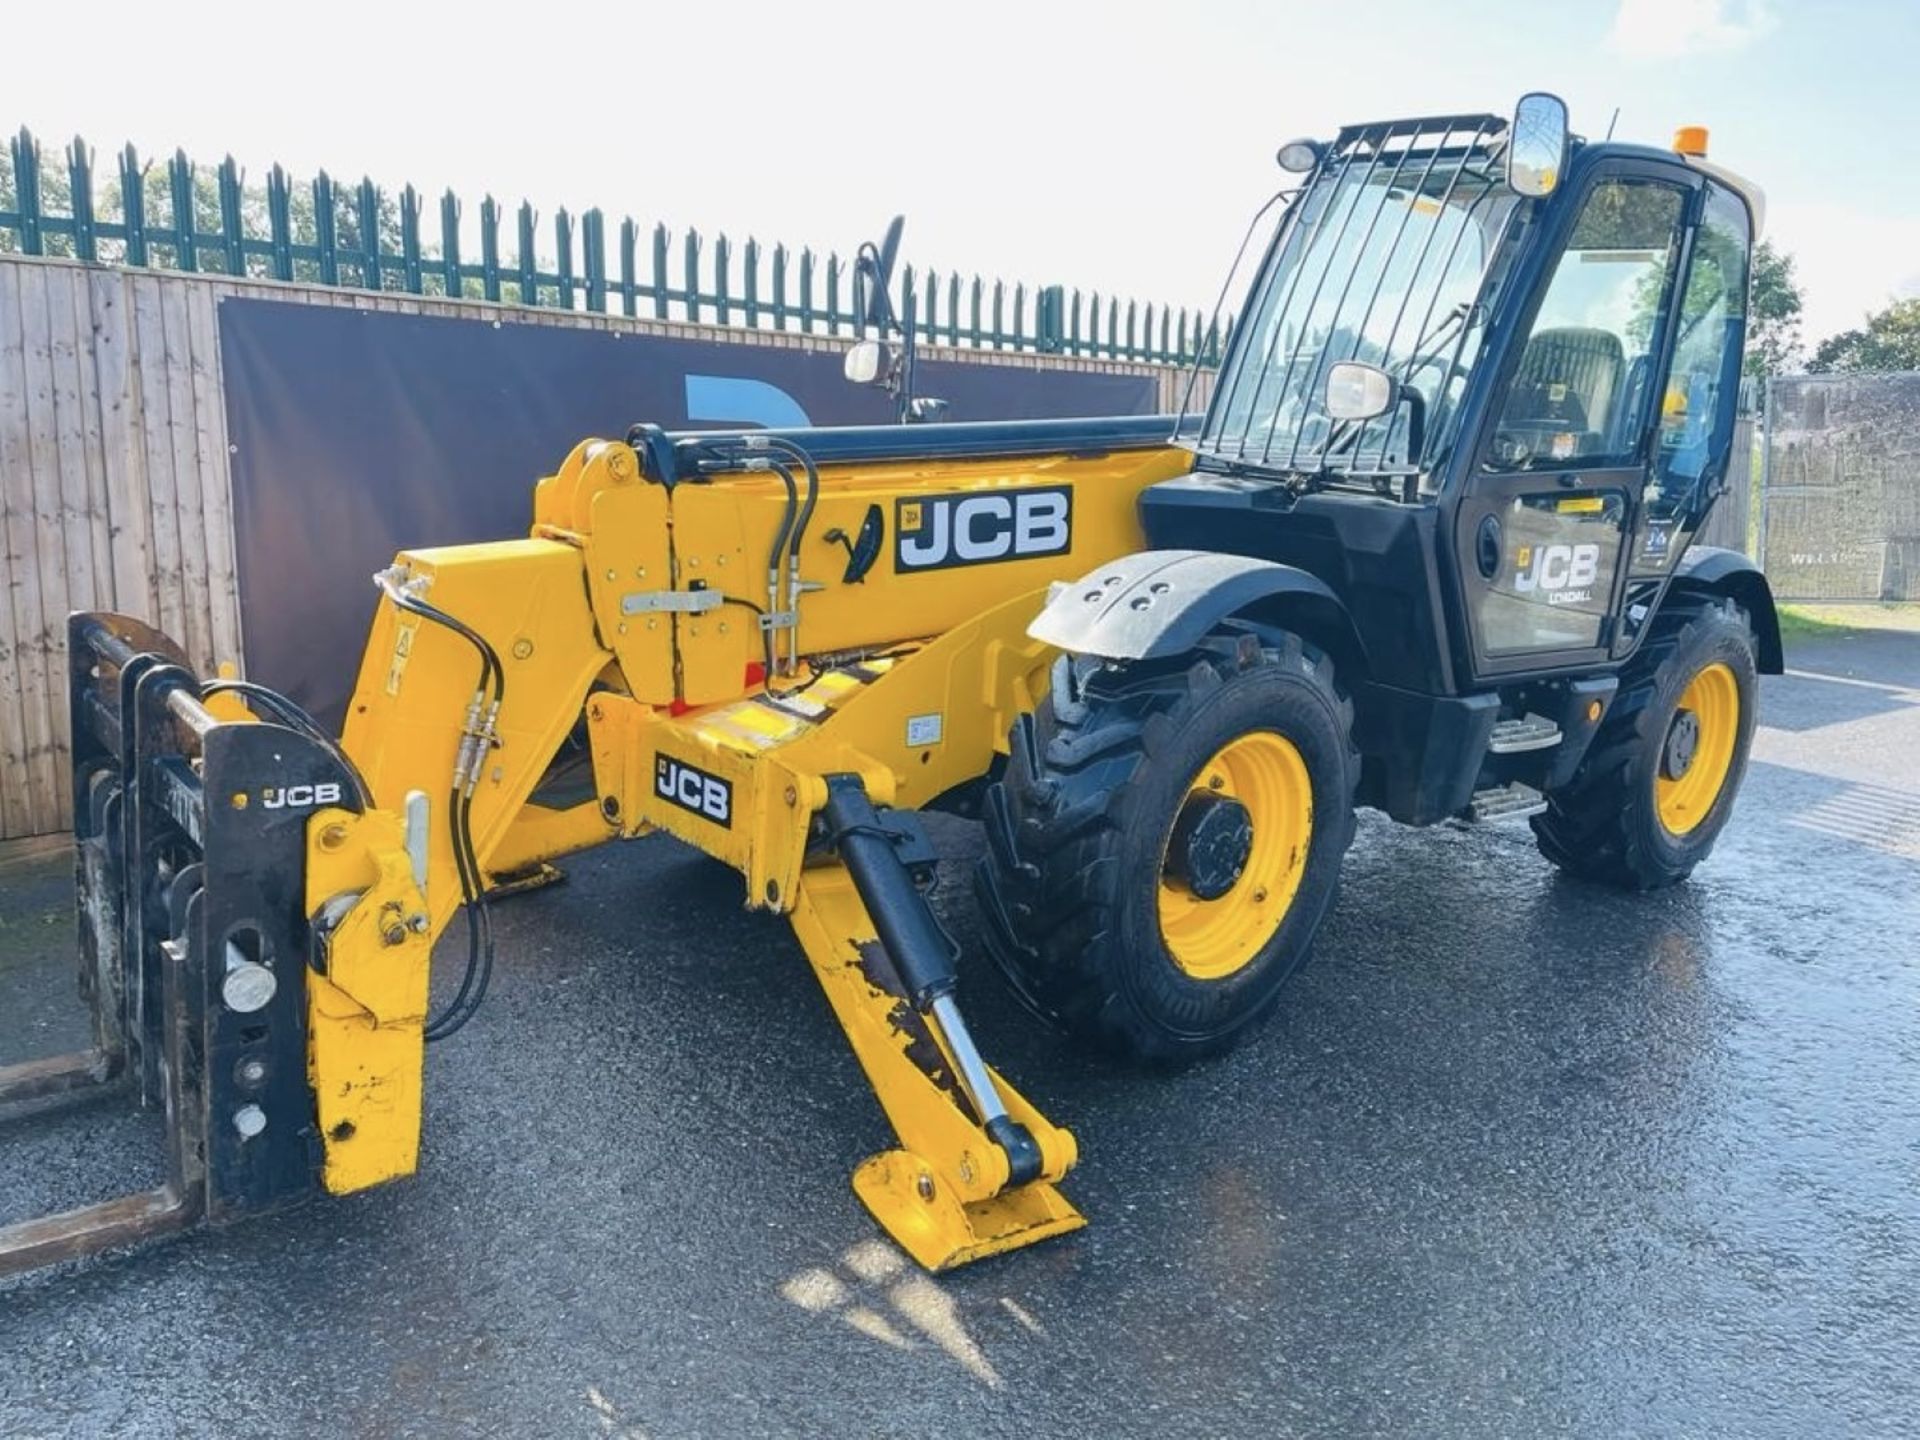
(1658, 783)
(1167, 838)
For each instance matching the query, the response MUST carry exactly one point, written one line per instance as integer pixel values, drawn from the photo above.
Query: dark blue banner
(359, 433)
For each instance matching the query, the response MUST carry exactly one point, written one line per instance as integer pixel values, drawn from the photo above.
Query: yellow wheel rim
(1210, 939)
(1698, 750)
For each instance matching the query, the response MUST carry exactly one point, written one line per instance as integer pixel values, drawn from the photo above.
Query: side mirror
(1537, 144)
(1357, 391)
(868, 362)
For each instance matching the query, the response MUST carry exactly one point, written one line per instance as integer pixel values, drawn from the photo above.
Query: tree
(1890, 340)
(1773, 313)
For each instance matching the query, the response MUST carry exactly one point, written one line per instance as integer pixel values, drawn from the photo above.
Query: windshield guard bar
(1324, 290)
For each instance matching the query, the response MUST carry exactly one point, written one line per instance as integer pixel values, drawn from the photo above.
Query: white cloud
(1666, 29)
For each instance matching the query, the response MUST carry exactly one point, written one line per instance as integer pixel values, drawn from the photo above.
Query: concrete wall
(114, 485)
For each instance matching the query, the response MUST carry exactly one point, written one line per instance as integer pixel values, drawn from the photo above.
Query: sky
(1117, 147)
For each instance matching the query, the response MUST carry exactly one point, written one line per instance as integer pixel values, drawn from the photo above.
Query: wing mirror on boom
(869, 362)
(879, 361)
(1537, 144)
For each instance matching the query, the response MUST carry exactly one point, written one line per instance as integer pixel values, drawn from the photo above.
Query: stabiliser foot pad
(930, 1221)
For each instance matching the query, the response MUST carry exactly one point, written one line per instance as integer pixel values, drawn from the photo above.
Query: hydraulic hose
(467, 769)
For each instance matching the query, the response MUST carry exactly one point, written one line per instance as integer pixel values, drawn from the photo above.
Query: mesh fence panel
(1840, 516)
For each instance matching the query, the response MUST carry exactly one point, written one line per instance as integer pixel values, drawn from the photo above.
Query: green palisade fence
(176, 215)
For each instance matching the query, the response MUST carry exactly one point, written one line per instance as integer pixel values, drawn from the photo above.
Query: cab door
(1553, 497)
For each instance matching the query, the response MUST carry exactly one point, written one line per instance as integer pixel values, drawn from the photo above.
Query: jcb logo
(301, 797)
(939, 531)
(1565, 574)
(707, 796)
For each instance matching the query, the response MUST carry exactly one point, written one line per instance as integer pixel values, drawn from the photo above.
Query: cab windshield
(1389, 257)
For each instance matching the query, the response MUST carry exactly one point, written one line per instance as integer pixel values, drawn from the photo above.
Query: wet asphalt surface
(1517, 1157)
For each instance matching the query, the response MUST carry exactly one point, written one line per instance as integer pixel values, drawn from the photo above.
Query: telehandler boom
(1428, 550)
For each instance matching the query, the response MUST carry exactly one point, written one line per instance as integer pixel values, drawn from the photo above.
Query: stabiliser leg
(975, 1172)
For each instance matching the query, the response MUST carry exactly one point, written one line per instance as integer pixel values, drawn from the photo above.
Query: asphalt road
(1519, 1157)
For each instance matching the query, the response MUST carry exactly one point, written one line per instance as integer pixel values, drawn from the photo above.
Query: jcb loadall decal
(936, 532)
(1564, 574)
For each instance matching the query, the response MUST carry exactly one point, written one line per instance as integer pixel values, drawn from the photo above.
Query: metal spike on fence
(26, 190)
(280, 223)
(629, 267)
(692, 296)
(490, 248)
(80, 197)
(593, 259)
(661, 243)
(410, 272)
(133, 205)
(450, 245)
(325, 229)
(529, 288)
(185, 222)
(563, 242)
(369, 222)
(231, 229)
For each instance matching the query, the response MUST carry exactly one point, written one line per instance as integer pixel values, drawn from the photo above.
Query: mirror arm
(1416, 423)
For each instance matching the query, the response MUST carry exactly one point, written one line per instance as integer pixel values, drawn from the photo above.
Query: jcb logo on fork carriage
(300, 797)
(935, 532)
(1563, 573)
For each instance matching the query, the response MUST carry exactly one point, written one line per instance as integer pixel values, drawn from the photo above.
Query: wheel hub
(1683, 742)
(1211, 841)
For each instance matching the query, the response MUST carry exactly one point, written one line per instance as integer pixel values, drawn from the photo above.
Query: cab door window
(1579, 395)
(1696, 408)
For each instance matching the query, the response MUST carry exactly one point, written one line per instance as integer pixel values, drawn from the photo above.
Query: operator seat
(1567, 383)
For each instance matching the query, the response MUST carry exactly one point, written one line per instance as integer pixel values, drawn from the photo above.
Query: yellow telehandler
(1427, 550)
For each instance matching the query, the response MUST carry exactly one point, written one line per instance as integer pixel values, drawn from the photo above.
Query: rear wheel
(1658, 784)
(1166, 839)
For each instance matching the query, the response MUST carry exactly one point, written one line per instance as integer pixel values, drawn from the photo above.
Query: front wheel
(1167, 838)
(1658, 783)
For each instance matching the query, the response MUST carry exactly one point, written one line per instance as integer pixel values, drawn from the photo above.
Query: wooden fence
(114, 489)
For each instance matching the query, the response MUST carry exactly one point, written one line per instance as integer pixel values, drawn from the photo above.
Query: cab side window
(1697, 400)
(1580, 393)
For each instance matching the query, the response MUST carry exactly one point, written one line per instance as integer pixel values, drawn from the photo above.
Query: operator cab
(1483, 385)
